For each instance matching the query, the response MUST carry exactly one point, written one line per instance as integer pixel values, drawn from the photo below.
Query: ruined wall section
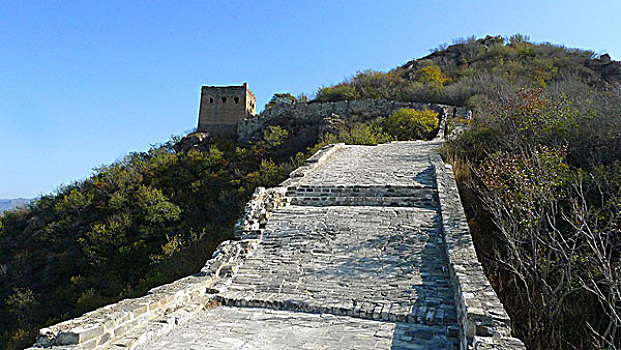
(316, 115)
(130, 322)
(250, 104)
(221, 108)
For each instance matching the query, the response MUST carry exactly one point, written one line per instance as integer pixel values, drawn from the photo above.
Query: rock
(331, 124)
(199, 140)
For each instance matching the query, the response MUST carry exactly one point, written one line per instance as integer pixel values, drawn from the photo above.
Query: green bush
(339, 92)
(282, 98)
(410, 124)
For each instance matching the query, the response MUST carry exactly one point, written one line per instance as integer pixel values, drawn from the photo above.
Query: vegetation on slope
(146, 220)
(539, 176)
(466, 73)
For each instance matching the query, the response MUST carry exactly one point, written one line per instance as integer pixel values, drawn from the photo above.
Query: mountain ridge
(12, 203)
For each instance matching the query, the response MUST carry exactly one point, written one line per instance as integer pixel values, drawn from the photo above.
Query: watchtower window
(211, 100)
(236, 99)
(223, 99)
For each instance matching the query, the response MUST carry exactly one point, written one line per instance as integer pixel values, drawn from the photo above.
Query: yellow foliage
(410, 124)
(431, 75)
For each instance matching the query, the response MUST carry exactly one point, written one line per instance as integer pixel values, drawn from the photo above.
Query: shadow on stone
(432, 321)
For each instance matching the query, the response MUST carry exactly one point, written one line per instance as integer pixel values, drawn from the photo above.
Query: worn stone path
(372, 262)
(355, 262)
(228, 328)
(393, 164)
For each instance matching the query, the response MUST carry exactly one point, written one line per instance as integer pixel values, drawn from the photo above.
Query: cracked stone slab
(372, 262)
(233, 328)
(395, 164)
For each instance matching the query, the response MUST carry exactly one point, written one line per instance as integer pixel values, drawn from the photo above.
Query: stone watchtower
(222, 107)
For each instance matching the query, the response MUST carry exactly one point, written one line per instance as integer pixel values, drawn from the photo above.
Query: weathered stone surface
(395, 164)
(371, 262)
(251, 328)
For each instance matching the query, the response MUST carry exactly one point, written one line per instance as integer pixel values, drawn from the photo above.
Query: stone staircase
(386, 196)
(364, 247)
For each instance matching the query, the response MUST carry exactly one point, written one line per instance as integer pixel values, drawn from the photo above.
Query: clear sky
(84, 82)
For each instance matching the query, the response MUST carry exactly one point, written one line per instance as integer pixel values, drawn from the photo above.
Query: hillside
(538, 168)
(466, 73)
(8, 204)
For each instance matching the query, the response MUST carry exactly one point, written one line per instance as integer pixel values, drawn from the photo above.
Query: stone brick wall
(131, 322)
(122, 322)
(258, 211)
(484, 323)
(314, 113)
(221, 107)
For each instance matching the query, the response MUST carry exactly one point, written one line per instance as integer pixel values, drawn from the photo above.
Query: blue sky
(84, 82)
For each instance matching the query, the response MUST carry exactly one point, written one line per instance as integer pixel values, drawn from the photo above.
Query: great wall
(309, 115)
(364, 247)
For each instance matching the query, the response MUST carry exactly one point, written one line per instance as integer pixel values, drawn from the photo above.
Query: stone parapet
(130, 322)
(101, 326)
(311, 164)
(484, 323)
(258, 211)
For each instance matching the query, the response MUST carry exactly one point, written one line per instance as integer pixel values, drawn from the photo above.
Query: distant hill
(8, 204)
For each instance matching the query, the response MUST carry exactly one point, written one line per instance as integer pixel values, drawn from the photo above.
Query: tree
(281, 98)
(431, 75)
(410, 124)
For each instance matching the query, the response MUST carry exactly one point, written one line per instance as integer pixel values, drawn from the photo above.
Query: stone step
(395, 196)
(381, 311)
(429, 201)
(360, 190)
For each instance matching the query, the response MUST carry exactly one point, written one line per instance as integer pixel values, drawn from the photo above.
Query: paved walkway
(356, 262)
(394, 164)
(226, 328)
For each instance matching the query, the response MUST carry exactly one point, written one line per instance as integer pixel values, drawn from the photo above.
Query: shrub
(431, 75)
(543, 204)
(275, 136)
(281, 98)
(410, 124)
(338, 92)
